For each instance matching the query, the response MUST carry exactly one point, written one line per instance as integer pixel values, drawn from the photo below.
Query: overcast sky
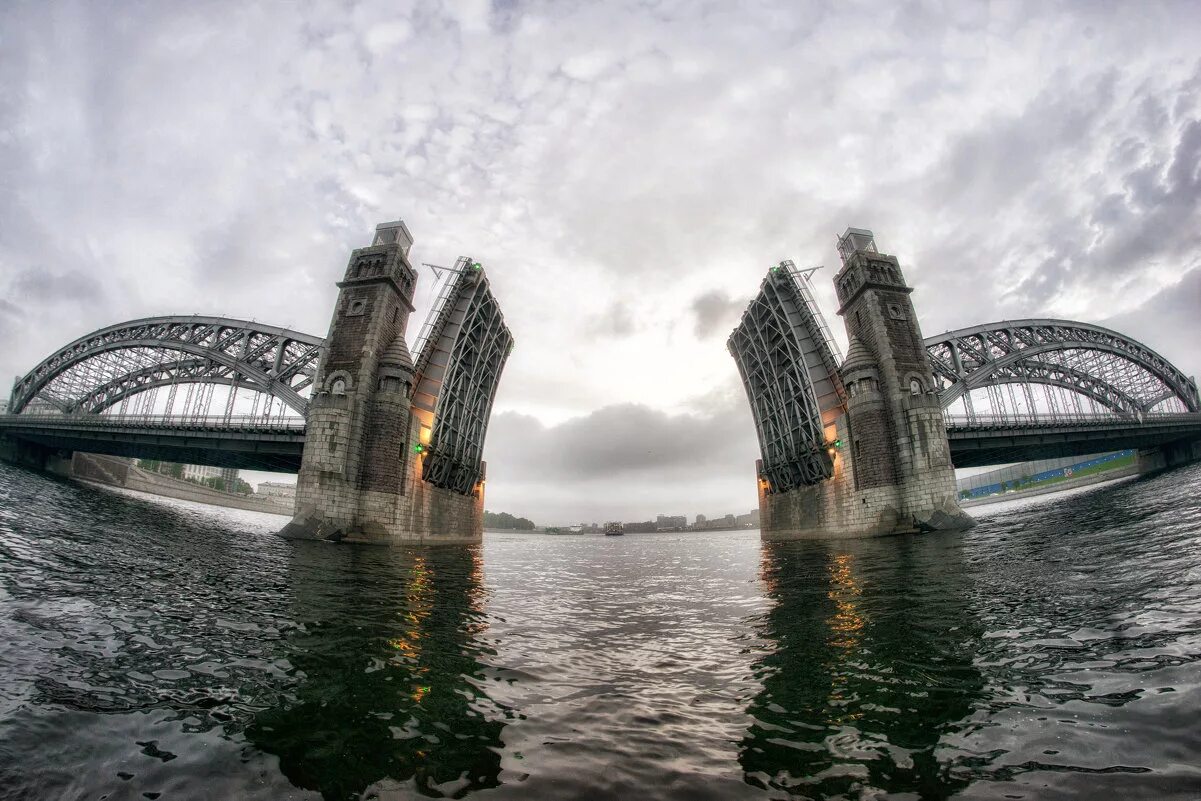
(627, 171)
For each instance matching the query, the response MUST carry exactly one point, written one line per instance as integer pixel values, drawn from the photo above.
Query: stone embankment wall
(119, 473)
(1058, 486)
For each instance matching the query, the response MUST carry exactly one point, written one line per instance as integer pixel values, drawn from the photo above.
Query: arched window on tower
(915, 386)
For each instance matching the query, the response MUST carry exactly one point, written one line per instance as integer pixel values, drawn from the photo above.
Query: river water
(160, 649)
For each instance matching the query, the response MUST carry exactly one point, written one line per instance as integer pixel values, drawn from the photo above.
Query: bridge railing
(1052, 421)
(287, 424)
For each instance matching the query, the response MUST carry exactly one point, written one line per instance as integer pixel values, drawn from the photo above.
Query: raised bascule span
(389, 450)
(867, 446)
(789, 364)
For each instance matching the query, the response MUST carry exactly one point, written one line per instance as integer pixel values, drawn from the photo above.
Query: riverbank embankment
(1058, 486)
(115, 472)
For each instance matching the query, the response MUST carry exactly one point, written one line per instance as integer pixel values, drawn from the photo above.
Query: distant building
(277, 489)
(671, 523)
(748, 520)
(715, 524)
(200, 472)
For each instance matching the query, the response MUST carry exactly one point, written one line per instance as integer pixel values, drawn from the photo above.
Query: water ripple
(153, 648)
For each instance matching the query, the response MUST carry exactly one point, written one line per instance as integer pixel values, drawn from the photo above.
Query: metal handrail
(1014, 420)
(439, 308)
(804, 284)
(214, 422)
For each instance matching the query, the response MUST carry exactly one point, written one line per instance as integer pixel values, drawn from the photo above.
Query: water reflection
(388, 697)
(870, 663)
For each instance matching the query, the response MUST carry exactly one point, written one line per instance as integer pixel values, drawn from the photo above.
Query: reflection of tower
(864, 675)
(897, 434)
(387, 661)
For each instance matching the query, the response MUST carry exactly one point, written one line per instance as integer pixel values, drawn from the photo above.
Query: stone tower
(378, 418)
(897, 437)
(358, 417)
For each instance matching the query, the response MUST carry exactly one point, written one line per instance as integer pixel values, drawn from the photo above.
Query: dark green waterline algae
(156, 649)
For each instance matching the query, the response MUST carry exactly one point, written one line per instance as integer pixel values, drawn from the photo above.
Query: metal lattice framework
(1057, 368)
(463, 349)
(120, 369)
(789, 367)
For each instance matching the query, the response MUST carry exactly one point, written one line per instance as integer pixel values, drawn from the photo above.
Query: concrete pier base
(835, 509)
(29, 454)
(1169, 455)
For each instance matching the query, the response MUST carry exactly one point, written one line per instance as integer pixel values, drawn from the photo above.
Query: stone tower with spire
(358, 419)
(363, 477)
(896, 437)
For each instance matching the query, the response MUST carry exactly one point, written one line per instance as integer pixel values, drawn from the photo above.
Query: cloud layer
(626, 170)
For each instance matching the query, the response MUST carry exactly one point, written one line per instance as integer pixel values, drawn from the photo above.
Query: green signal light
(418, 448)
(477, 266)
(837, 443)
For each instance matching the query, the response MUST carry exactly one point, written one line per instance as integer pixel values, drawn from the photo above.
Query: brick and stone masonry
(360, 476)
(893, 471)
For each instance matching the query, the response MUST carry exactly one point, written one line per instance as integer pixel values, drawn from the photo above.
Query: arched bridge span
(112, 365)
(1068, 360)
(101, 389)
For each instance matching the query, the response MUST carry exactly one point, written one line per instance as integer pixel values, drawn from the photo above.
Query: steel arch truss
(790, 374)
(471, 339)
(1118, 373)
(107, 367)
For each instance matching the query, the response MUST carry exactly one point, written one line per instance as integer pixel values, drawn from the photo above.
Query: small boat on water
(613, 530)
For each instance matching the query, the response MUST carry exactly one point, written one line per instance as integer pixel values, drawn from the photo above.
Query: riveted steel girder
(1118, 372)
(791, 378)
(459, 368)
(100, 369)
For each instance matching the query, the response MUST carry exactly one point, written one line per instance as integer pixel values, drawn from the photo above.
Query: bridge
(1036, 389)
(867, 445)
(163, 388)
(237, 393)
(394, 445)
(196, 390)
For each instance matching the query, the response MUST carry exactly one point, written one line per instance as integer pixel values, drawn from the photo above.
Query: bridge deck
(242, 442)
(253, 444)
(1002, 440)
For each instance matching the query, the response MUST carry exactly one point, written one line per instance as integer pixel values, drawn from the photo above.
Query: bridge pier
(364, 475)
(39, 457)
(1171, 454)
(881, 462)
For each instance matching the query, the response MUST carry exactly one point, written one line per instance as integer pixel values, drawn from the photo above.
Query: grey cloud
(623, 462)
(41, 284)
(1167, 321)
(11, 317)
(613, 440)
(1090, 187)
(616, 321)
(716, 313)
